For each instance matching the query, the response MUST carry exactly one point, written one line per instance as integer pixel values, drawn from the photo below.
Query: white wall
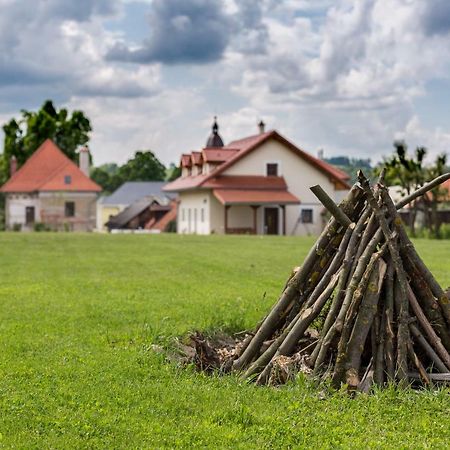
(190, 218)
(15, 209)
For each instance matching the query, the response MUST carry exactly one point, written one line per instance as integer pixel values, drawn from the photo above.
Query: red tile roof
(47, 169)
(248, 144)
(255, 197)
(243, 147)
(186, 160)
(196, 158)
(246, 182)
(218, 155)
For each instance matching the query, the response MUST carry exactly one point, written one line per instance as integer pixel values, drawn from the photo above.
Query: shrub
(39, 226)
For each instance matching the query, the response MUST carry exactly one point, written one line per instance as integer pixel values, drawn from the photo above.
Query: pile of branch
(380, 314)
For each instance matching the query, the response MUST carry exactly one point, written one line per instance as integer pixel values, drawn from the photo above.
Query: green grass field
(79, 314)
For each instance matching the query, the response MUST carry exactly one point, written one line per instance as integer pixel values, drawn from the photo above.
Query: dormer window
(67, 179)
(272, 169)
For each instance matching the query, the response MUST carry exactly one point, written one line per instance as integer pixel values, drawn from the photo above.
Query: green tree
(173, 172)
(411, 172)
(25, 135)
(144, 166)
(106, 176)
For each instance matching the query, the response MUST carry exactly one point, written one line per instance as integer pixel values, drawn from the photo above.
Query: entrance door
(29, 215)
(271, 220)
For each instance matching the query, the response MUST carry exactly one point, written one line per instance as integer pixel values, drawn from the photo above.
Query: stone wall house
(51, 190)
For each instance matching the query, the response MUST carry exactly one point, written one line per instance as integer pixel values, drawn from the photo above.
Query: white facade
(16, 207)
(199, 212)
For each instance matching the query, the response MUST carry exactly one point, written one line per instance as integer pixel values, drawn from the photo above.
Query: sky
(345, 76)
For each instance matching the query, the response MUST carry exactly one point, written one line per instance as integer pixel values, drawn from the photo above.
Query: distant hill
(351, 165)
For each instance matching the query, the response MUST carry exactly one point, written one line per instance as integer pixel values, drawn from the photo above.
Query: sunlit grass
(79, 314)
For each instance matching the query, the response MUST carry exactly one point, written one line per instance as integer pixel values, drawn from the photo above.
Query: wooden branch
(339, 368)
(292, 290)
(423, 190)
(420, 338)
(363, 322)
(389, 324)
(329, 204)
(432, 376)
(423, 373)
(396, 260)
(428, 329)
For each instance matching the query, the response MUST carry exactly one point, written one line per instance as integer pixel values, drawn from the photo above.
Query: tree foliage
(410, 172)
(24, 135)
(144, 166)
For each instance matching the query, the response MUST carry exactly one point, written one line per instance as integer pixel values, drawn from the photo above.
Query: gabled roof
(129, 213)
(248, 144)
(242, 147)
(185, 160)
(196, 158)
(49, 169)
(218, 155)
(131, 191)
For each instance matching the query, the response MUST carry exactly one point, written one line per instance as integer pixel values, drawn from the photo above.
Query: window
(307, 215)
(202, 214)
(69, 209)
(272, 169)
(183, 215)
(67, 179)
(29, 215)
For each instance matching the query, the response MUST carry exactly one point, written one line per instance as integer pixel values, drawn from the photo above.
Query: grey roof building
(129, 194)
(131, 191)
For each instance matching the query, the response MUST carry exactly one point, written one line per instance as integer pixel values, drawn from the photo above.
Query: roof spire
(214, 139)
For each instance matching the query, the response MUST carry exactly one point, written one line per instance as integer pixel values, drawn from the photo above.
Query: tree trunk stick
(432, 376)
(341, 358)
(329, 204)
(332, 269)
(420, 338)
(379, 356)
(396, 260)
(363, 322)
(389, 330)
(266, 329)
(423, 190)
(340, 291)
(428, 302)
(418, 364)
(433, 338)
(410, 254)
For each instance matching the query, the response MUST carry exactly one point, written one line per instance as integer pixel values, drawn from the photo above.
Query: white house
(257, 185)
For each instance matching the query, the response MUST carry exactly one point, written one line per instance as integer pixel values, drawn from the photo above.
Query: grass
(78, 315)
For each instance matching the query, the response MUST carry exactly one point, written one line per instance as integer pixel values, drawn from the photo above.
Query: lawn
(79, 314)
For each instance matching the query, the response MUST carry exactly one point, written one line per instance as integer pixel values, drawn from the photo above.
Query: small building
(125, 196)
(52, 190)
(256, 185)
(148, 213)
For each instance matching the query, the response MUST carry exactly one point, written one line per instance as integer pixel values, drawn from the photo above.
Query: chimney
(320, 153)
(12, 165)
(83, 159)
(262, 127)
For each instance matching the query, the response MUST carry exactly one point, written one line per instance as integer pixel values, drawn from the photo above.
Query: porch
(255, 211)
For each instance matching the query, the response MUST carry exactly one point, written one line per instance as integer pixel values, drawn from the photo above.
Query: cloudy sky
(347, 76)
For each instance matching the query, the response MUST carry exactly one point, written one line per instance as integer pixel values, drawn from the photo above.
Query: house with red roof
(256, 185)
(51, 189)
